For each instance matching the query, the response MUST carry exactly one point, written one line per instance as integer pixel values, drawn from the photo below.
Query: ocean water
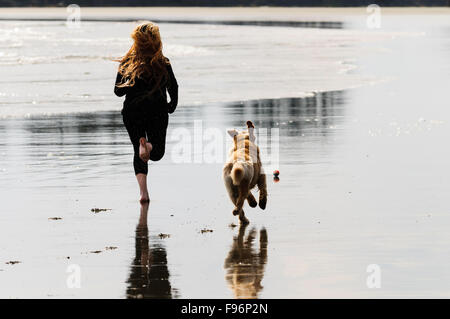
(362, 117)
(52, 68)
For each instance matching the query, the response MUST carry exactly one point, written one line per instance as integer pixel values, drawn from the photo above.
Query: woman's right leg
(156, 132)
(145, 148)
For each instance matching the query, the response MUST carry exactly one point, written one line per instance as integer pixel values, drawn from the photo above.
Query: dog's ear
(251, 129)
(232, 133)
(251, 134)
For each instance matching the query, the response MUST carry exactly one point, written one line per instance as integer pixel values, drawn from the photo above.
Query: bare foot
(144, 149)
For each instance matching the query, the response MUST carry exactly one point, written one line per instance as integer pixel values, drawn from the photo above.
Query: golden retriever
(243, 171)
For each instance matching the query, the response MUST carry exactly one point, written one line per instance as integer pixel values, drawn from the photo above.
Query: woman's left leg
(142, 182)
(135, 133)
(154, 144)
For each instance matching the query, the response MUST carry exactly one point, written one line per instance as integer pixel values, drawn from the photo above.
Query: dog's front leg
(262, 186)
(251, 200)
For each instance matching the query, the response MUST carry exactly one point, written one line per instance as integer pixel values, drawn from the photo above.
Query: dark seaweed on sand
(98, 210)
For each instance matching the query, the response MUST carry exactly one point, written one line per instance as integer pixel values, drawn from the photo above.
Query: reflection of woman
(149, 276)
(144, 76)
(244, 265)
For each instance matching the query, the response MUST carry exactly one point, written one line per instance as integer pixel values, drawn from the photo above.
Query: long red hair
(145, 59)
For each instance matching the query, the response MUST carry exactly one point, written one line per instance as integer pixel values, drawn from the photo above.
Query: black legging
(151, 124)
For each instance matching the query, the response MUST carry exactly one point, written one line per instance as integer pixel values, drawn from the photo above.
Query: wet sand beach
(362, 157)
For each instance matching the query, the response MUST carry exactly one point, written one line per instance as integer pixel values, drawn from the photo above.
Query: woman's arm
(172, 88)
(119, 91)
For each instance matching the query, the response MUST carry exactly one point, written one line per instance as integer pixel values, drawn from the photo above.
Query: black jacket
(141, 92)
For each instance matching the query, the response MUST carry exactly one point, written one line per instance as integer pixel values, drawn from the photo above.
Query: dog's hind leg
(262, 191)
(243, 194)
(244, 220)
(232, 190)
(251, 200)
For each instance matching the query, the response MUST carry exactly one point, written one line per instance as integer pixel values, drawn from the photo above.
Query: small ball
(276, 173)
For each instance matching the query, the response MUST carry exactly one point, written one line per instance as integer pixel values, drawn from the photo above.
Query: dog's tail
(237, 173)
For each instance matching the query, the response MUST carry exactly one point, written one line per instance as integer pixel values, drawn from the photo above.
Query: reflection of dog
(245, 265)
(243, 171)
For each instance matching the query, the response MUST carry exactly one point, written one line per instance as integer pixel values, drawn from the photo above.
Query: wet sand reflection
(245, 265)
(149, 275)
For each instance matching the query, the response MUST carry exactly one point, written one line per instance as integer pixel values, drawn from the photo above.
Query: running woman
(144, 77)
